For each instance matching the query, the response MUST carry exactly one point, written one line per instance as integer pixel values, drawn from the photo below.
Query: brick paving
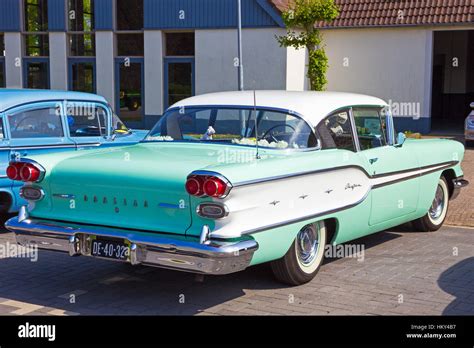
(403, 272)
(461, 210)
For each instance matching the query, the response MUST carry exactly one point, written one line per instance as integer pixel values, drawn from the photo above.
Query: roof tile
(363, 13)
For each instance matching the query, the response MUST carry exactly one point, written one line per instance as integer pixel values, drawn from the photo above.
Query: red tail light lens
(214, 187)
(13, 171)
(209, 185)
(23, 171)
(194, 186)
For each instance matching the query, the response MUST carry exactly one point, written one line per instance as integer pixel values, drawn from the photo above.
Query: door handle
(373, 160)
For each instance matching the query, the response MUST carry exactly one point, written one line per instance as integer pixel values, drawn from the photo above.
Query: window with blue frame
(129, 39)
(36, 44)
(81, 28)
(81, 37)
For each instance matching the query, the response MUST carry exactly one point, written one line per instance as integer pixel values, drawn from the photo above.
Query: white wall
(58, 60)
(296, 62)
(263, 59)
(153, 83)
(104, 43)
(393, 64)
(13, 61)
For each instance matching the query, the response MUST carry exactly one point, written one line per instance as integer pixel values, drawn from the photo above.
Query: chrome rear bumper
(458, 184)
(152, 249)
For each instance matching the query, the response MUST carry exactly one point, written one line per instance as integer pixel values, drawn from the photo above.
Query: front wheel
(434, 219)
(305, 256)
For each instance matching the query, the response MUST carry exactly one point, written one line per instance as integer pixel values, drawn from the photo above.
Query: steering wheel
(272, 137)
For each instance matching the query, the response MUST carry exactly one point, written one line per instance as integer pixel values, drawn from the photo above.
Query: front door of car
(35, 129)
(87, 123)
(395, 188)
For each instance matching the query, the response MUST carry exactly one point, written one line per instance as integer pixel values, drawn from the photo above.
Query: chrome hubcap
(307, 244)
(437, 207)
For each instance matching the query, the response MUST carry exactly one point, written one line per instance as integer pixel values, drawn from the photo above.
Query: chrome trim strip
(29, 147)
(308, 217)
(152, 249)
(64, 195)
(289, 222)
(292, 175)
(355, 136)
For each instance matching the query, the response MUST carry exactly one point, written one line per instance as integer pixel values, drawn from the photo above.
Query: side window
(371, 128)
(86, 120)
(38, 123)
(2, 135)
(336, 132)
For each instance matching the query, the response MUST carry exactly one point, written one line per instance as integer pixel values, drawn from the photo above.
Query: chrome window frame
(248, 107)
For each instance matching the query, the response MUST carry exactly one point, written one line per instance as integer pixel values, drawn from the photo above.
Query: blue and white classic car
(41, 121)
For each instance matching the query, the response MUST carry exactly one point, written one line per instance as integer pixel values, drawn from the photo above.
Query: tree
(301, 19)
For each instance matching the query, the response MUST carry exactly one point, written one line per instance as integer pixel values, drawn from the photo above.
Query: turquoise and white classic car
(229, 180)
(41, 121)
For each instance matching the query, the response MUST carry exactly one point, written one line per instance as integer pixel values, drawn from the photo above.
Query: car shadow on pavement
(89, 286)
(82, 285)
(457, 281)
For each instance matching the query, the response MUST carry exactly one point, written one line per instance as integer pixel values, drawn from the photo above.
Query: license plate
(112, 249)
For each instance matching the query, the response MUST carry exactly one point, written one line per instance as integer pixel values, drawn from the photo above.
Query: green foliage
(301, 20)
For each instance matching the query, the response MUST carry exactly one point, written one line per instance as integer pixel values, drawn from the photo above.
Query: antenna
(257, 156)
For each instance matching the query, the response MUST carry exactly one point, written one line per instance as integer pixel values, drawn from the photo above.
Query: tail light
(25, 171)
(211, 185)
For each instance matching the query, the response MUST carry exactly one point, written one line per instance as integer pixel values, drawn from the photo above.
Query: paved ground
(461, 212)
(403, 272)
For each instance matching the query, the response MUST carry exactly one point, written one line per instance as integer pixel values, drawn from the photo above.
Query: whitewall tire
(434, 218)
(305, 256)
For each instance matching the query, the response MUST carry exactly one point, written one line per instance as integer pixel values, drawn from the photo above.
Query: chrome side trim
(152, 249)
(55, 146)
(293, 175)
(303, 218)
(439, 167)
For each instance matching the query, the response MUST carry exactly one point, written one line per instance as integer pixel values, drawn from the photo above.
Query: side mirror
(401, 139)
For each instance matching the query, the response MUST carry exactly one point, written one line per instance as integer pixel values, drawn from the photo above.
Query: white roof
(313, 106)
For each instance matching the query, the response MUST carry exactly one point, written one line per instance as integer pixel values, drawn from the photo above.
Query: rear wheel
(305, 256)
(434, 219)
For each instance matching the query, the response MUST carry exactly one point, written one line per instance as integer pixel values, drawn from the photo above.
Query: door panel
(393, 195)
(391, 199)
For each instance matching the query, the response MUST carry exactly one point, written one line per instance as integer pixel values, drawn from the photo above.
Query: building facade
(143, 55)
